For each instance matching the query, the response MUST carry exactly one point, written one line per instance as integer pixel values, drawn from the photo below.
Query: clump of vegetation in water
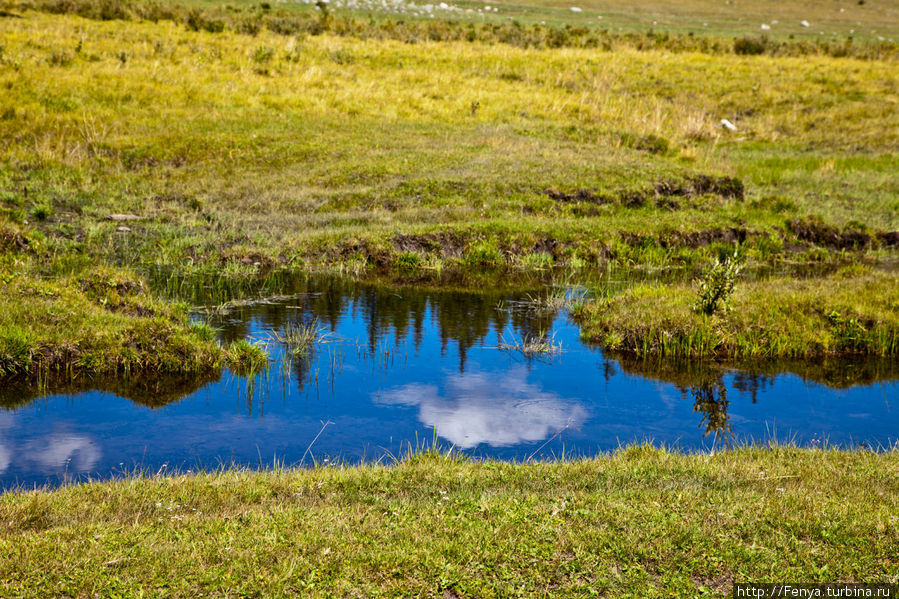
(300, 338)
(100, 322)
(246, 358)
(530, 346)
(716, 285)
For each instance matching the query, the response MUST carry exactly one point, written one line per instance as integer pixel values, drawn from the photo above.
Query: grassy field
(639, 523)
(156, 155)
(870, 21)
(312, 141)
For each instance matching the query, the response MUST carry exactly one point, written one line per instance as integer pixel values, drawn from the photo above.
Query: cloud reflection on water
(499, 409)
(61, 451)
(57, 452)
(5, 458)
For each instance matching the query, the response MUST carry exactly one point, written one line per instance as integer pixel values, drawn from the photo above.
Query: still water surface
(403, 366)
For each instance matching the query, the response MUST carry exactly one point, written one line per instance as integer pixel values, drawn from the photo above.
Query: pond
(403, 367)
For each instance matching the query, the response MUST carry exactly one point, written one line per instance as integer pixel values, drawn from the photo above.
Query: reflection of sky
(500, 410)
(52, 453)
(5, 458)
(56, 453)
(498, 406)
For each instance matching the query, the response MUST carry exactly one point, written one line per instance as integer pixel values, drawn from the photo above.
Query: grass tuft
(246, 358)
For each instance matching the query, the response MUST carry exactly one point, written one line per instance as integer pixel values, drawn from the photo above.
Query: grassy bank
(846, 313)
(60, 323)
(642, 522)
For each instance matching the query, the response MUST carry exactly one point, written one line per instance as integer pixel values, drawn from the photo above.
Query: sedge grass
(540, 345)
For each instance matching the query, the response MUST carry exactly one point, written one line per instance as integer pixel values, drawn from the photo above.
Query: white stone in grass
(728, 125)
(575, 9)
(766, 27)
(804, 23)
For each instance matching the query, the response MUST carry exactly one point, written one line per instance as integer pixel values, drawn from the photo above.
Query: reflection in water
(62, 450)
(5, 458)
(752, 384)
(710, 399)
(152, 392)
(477, 408)
(465, 319)
(757, 376)
(52, 454)
(400, 360)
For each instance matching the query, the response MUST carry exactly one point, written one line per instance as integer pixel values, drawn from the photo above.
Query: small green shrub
(42, 210)
(716, 285)
(198, 21)
(263, 54)
(648, 143)
(538, 260)
(16, 351)
(60, 58)
(342, 56)
(750, 45)
(248, 26)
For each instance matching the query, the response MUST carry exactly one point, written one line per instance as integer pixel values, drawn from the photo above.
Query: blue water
(403, 366)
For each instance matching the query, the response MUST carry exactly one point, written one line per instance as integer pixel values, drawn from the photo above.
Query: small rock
(123, 229)
(766, 27)
(576, 9)
(728, 125)
(122, 217)
(804, 23)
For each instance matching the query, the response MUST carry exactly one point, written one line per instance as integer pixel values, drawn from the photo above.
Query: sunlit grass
(850, 312)
(641, 522)
(238, 155)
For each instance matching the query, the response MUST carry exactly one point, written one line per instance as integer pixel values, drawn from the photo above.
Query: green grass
(98, 323)
(639, 523)
(853, 311)
(336, 147)
(227, 164)
(87, 322)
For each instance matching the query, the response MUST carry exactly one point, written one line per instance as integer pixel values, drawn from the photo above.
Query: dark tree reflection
(710, 400)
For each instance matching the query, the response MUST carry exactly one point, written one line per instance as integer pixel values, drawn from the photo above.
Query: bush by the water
(716, 285)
